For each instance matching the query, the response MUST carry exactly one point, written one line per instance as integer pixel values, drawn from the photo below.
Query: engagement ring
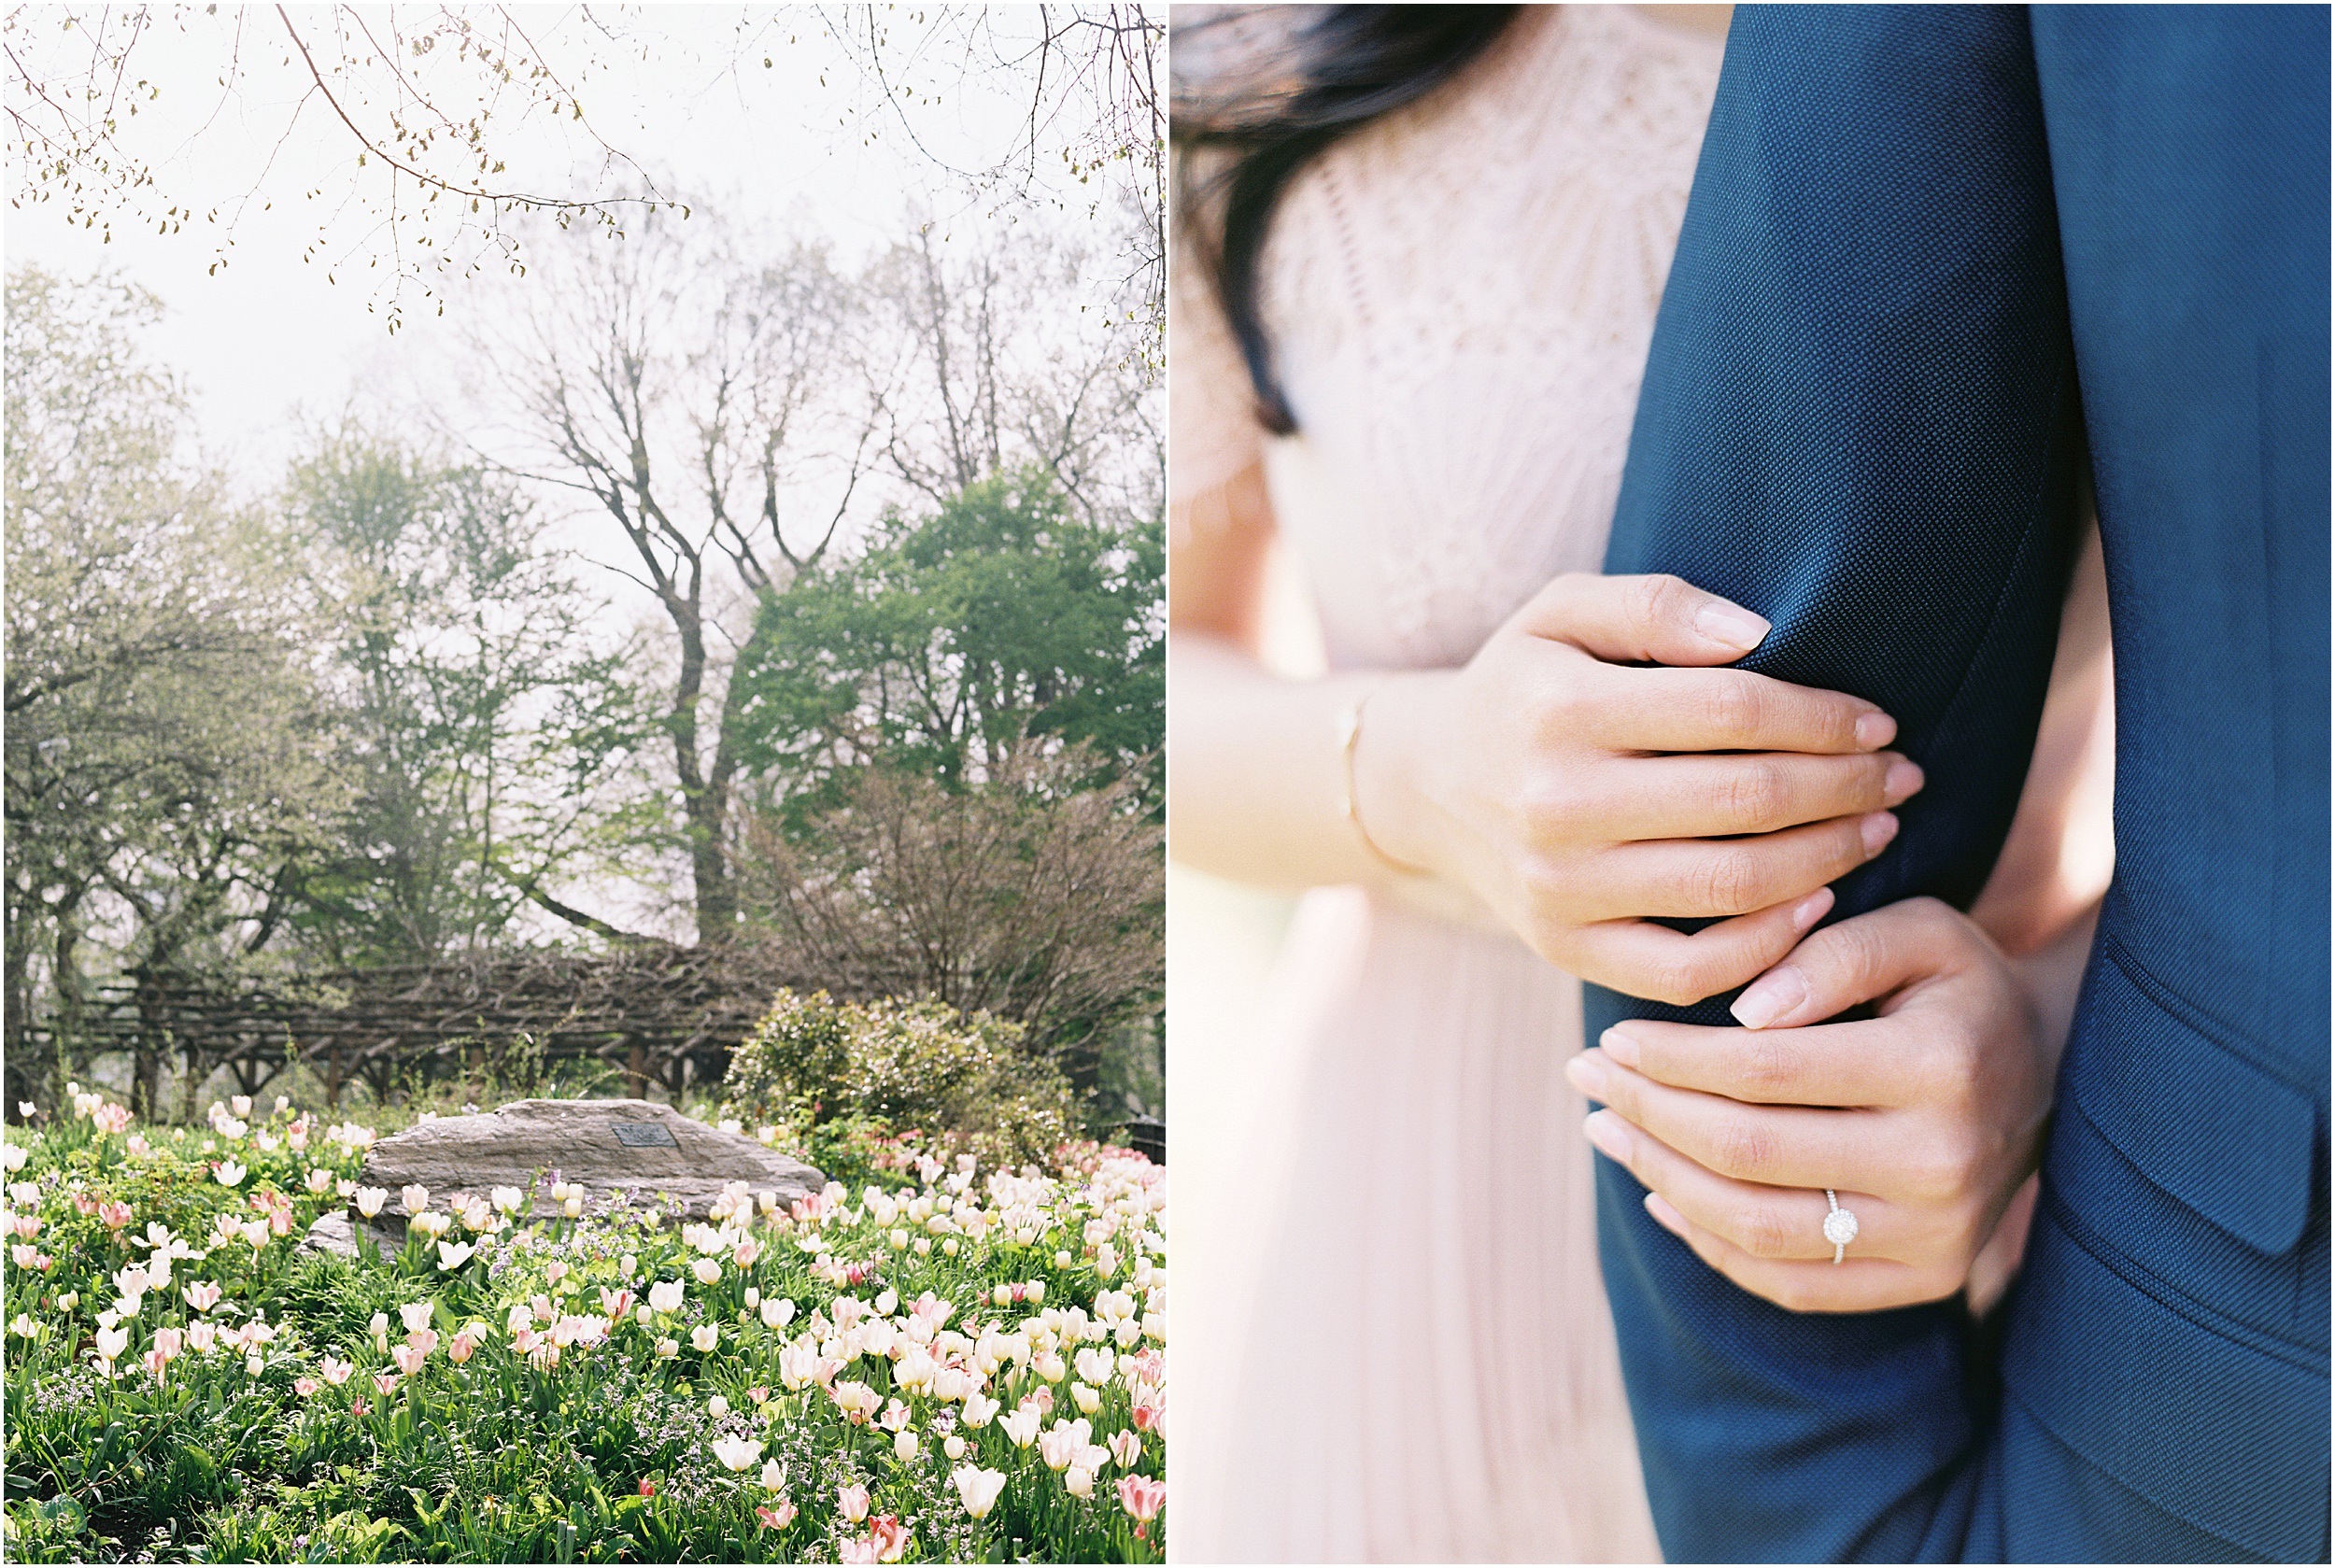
(1840, 1226)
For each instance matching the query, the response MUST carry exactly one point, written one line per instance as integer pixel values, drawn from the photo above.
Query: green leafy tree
(954, 740)
(499, 747)
(1000, 621)
(167, 752)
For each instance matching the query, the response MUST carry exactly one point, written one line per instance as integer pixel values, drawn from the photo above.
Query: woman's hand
(1925, 1120)
(1544, 776)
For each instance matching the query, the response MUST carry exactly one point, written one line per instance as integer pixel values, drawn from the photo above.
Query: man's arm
(1859, 420)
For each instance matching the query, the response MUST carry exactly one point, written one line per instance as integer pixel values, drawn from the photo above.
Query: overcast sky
(801, 146)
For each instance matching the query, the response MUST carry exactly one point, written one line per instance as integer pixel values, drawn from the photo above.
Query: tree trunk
(704, 801)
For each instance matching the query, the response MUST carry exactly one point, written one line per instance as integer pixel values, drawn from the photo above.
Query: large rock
(335, 1232)
(634, 1147)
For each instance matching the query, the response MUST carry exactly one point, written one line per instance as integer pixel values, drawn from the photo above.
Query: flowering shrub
(962, 1364)
(815, 1063)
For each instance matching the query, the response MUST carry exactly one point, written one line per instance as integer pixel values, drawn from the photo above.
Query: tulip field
(952, 1365)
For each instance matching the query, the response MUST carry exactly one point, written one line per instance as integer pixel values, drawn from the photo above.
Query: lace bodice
(1461, 296)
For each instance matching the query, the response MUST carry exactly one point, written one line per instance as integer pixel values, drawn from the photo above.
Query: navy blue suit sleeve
(1858, 419)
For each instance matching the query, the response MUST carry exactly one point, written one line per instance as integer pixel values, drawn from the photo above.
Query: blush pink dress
(1405, 1352)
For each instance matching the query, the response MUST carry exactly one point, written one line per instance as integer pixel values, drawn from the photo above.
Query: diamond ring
(1840, 1226)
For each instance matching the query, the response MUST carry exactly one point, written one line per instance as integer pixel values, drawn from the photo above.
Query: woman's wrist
(1382, 753)
(1350, 730)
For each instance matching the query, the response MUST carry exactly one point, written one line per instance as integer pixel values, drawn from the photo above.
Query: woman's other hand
(1548, 777)
(1926, 1118)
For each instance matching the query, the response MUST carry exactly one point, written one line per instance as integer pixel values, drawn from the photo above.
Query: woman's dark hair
(1333, 73)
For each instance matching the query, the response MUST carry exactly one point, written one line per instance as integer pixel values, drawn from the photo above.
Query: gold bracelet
(1349, 738)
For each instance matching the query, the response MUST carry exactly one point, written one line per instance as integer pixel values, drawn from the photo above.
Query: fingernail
(1666, 1217)
(1899, 784)
(1875, 730)
(1770, 997)
(1586, 1076)
(1876, 831)
(1623, 1048)
(1612, 1139)
(1730, 626)
(1806, 912)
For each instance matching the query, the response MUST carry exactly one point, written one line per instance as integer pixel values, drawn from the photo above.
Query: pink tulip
(852, 1502)
(155, 1361)
(305, 1387)
(855, 1550)
(170, 1341)
(460, 1346)
(888, 1538)
(408, 1360)
(776, 1516)
(202, 1295)
(386, 1381)
(1141, 1497)
(648, 1488)
(746, 1252)
(423, 1340)
(115, 1214)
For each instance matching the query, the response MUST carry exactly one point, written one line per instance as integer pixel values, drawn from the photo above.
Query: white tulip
(979, 1488)
(736, 1453)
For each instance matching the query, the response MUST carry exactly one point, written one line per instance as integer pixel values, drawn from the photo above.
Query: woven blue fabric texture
(1935, 259)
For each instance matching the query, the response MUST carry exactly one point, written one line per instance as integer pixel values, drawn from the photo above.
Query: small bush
(962, 1080)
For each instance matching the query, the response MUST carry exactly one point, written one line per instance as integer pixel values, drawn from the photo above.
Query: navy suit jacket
(1936, 260)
